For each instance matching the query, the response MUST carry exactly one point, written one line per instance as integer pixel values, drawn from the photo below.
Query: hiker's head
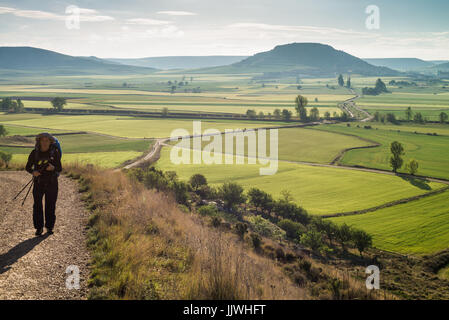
(43, 141)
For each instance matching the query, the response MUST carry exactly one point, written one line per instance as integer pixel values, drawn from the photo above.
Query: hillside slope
(180, 62)
(29, 60)
(400, 64)
(312, 59)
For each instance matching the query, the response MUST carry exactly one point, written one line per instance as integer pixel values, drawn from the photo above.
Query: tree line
(299, 226)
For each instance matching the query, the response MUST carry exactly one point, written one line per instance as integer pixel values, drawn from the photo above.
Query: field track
(35, 267)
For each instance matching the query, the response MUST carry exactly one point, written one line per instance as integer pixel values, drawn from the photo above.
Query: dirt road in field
(35, 267)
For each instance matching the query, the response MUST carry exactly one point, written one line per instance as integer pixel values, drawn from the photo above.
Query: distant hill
(29, 61)
(438, 61)
(442, 66)
(306, 59)
(400, 64)
(181, 62)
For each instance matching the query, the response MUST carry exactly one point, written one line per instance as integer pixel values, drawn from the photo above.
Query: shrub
(293, 229)
(208, 210)
(260, 199)
(256, 240)
(312, 239)
(216, 222)
(266, 228)
(241, 229)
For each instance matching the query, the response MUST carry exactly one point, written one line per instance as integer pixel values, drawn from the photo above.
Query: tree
(286, 115)
(344, 235)
(397, 150)
(409, 113)
(341, 81)
(301, 103)
(312, 239)
(362, 240)
(197, 181)
(5, 158)
(6, 104)
(327, 115)
(443, 117)
(412, 167)
(164, 112)
(391, 118)
(261, 115)
(348, 83)
(251, 114)
(3, 131)
(58, 103)
(18, 107)
(380, 86)
(277, 114)
(232, 194)
(418, 118)
(260, 199)
(314, 114)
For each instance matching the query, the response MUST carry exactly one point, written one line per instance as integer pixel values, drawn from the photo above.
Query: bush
(266, 228)
(241, 229)
(293, 229)
(208, 210)
(260, 199)
(312, 239)
(289, 210)
(216, 222)
(256, 240)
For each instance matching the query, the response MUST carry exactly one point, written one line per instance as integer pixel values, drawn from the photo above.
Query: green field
(432, 152)
(318, 189)
(417, 227)
(130, 127)
(302, 144)
(101, 159)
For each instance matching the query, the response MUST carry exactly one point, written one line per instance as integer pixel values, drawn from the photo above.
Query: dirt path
(35, 267)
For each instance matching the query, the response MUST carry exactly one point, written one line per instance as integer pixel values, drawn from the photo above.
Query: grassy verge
(144, 247)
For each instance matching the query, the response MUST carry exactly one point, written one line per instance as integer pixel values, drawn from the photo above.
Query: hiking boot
(49, 231)
(39, 231)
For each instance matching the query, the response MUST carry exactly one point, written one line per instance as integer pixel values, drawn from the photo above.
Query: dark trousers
(47, 186)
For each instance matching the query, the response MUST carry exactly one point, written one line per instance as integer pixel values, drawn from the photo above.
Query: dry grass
(145, 247)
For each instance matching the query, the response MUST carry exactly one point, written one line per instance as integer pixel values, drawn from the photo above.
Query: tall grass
(145, 247)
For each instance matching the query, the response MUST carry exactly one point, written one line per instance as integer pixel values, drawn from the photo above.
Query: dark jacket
(38, 161)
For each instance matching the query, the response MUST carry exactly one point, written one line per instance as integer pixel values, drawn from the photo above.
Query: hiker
(44, 163)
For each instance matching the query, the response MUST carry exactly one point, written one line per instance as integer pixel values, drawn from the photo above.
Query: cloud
(88, 15)
(165, 32)
(150, 22)
(177, 13)
(289, 28)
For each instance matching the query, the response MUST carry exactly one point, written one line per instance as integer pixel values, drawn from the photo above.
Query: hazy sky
(143, 28)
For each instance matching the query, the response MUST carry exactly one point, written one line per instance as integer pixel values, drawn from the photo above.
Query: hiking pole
(23, 189)
(28, 192)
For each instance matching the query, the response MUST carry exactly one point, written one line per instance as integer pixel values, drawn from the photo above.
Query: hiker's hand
(36, 173)
(50, 167)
